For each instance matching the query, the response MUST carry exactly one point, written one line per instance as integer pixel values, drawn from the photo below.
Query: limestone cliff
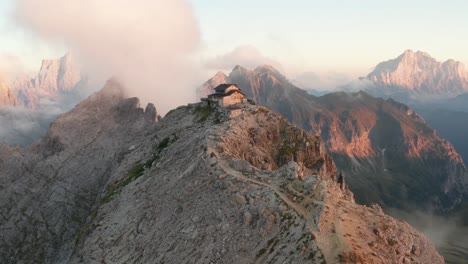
(109, 185)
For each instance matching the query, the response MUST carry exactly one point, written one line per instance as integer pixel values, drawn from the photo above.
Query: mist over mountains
(30, 103)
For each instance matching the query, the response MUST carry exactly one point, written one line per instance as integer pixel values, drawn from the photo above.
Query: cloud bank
(24, 125)
(147, 44)
(322, 81)
(246, 56)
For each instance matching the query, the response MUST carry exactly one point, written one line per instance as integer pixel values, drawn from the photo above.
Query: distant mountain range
(388, 151)
(29, 104)
(438, 90)
(416, 77)
(56, 81)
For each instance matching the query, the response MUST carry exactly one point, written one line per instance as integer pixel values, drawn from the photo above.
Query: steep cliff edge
(48, 189)
(107, 184)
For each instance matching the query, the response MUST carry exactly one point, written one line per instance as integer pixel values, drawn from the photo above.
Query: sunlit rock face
(54, 79)
(390, 154)
(420, 77)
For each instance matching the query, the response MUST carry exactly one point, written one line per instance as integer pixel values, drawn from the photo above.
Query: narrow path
(301, 210)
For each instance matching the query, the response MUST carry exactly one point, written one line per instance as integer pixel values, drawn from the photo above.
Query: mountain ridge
(355, 128)
(234, 186)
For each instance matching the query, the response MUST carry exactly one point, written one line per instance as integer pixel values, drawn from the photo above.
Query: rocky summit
(416, 76)
(109, 184)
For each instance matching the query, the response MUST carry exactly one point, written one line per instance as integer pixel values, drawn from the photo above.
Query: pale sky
(301, 35)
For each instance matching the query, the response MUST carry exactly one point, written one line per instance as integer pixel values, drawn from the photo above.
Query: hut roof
(222, 87)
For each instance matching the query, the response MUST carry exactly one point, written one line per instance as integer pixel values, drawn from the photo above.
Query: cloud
(322, 81)
(246, 56)
(10, 68)
(24, 125)
(447, 232)
(146, 44)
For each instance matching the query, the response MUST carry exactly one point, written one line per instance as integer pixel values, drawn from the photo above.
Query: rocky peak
(419, 73)
(208, 86)
(239, 69)
(220, 76)
(150, 113)
(57, 75)
(267, 68)
(55, 78)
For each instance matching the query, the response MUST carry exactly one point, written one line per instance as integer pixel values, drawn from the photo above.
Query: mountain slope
(48, 190)
(390, 154)
(452, 125)
(107, 184)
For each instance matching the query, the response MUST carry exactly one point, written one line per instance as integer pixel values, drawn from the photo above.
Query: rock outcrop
(392, 157)
(202, 185)
(7, 97)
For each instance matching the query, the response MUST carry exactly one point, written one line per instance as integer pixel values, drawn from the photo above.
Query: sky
(331, 38)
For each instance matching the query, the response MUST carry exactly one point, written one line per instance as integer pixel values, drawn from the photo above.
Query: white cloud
(147, 44)
(10, 67)
(322, 81)
(245, 56)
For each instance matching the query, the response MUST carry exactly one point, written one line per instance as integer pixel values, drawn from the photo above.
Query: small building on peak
(226, 95)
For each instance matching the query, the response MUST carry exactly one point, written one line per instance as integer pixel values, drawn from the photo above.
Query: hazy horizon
(347, 38)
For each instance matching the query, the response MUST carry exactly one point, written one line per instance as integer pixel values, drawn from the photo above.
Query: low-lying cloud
(25, 125)
(322, 81)
(448, 233)
(146, 44)
(245, 56)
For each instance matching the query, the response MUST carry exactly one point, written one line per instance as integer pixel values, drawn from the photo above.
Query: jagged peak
(239, 68)
(220, 74)
(266, 67)
(411, 53)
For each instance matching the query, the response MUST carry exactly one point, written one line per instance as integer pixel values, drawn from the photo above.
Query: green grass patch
(203, 112)
(113, 189)
(134, 173)
(163, 144)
